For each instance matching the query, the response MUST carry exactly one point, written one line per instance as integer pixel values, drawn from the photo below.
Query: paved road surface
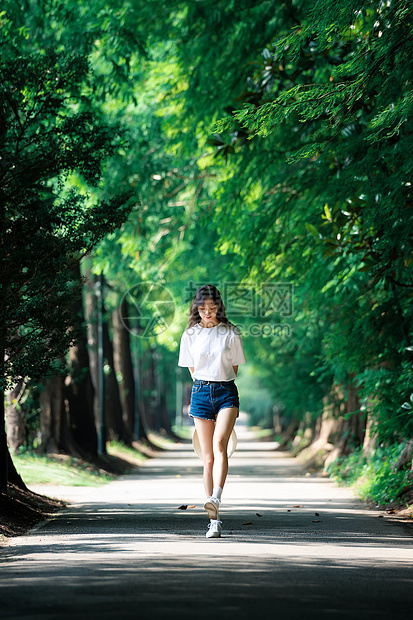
(125, 550)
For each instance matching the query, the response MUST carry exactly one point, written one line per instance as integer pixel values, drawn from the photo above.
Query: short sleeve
(237, 351)
(185, 357)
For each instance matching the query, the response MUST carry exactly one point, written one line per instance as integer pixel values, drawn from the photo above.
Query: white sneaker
(212, 507)
(214, 529)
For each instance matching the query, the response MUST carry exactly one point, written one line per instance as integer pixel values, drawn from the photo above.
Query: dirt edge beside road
(22, 510)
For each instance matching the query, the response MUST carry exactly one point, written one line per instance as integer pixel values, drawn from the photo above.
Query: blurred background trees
(263, 147)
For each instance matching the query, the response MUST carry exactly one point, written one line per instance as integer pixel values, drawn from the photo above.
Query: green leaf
(312, 230)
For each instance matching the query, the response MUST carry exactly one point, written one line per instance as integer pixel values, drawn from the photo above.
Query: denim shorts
(209, 397)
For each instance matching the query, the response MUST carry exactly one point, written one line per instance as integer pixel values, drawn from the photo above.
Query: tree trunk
(353, 406)
(166, 424)
(15, 424)
(350, 431)
(141, 425)
(139, 430)
(113, 407)
(290, 432)
(79, 386)
(79, 401)
(13, 475)
(338, 448)
(146, 393)
(405, 457)
(4, 450)
(369, 439)
(91, 313)
(52, 412)
(124, 369)
(159, 403)
(67, 416)
(316, 453)
(277, 420)
(154, 390)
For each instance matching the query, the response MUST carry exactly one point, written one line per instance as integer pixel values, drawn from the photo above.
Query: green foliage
(59, 471)
(109, 36)
(306, 179)
(255, 398)
(390, 392)
(119, 449)
(374, 477)
(319, 192)
(341, 95)
(47, 224)
(304, 183)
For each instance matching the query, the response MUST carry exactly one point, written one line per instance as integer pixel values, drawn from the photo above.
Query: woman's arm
(235, 370)
(191, 370)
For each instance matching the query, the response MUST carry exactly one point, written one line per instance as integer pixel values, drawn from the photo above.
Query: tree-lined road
(125, 550)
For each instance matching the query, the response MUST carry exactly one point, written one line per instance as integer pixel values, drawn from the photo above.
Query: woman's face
(208, 312)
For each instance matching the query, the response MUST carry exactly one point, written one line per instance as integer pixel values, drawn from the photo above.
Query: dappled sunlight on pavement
(292, 543)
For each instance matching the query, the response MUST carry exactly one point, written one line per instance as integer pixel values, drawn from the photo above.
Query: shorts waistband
(202, 382)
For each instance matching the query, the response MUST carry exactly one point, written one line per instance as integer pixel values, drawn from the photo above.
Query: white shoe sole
(211, 509)
(213, 535)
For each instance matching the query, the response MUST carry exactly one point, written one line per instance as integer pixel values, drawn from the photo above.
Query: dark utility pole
(3, 448)
(101, 376)
(4, 453)
(136, 376)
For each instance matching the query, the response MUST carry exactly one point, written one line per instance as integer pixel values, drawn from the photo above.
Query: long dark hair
(208, 291)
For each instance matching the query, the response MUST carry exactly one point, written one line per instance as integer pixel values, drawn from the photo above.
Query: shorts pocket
(196, 388)
(231, 387)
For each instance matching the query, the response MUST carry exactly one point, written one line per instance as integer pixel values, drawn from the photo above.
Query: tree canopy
(263, 143)
(52, 211)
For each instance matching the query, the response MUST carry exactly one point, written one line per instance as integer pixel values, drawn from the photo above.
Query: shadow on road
(293, 546)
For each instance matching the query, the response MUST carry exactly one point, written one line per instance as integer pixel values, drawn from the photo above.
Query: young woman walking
(211, 348)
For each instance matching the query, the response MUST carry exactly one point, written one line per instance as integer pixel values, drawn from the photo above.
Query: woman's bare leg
(223, 429)
(205, 430)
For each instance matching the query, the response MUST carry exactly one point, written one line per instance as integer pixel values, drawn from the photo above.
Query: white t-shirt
(212, 351)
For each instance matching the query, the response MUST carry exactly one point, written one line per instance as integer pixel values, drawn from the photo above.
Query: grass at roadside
(185, 432)
(59, 470)
(64, 470)
(373, 477)
(134, 457)
(265, 433)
